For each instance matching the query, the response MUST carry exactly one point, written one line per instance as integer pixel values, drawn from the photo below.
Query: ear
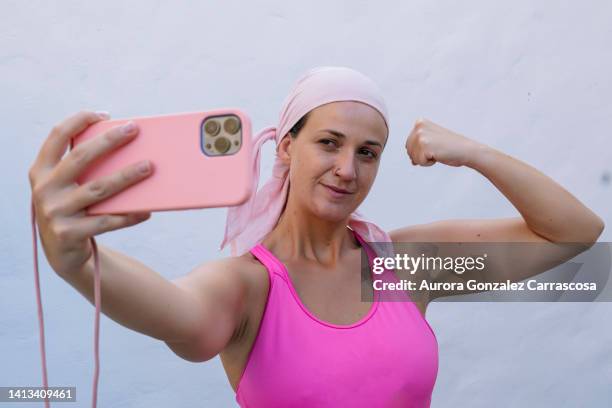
(283, 150)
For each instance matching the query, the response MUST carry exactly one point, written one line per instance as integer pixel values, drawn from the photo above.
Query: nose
(345, 166)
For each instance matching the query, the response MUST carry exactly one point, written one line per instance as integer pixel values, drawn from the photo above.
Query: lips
(338, 190)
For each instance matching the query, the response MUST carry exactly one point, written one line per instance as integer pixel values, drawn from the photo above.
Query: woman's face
(334, 159)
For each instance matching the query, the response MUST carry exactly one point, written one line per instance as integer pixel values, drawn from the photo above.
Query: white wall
(529, 78)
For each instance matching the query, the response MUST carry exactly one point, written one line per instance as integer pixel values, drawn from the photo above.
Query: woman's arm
(550, 214)
(195, 315)
(547, 208)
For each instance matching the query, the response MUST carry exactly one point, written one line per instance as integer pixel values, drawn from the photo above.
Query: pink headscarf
(249, 223)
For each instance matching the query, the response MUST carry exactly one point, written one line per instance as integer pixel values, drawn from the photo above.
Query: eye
(369, 153)
(327, 142)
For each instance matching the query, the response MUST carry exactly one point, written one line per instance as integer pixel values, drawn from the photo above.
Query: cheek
(311, 165)
(366, 178)
(304, 173)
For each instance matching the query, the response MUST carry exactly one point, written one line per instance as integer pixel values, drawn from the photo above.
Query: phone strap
(41, 325)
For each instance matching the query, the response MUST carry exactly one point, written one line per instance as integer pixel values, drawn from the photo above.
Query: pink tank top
(389, 358)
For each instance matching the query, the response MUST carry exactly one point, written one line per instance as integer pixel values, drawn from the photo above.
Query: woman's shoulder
(243, 271)
(250, 270)
(236, 264)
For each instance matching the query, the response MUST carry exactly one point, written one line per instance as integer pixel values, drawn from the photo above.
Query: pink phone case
(184, 177)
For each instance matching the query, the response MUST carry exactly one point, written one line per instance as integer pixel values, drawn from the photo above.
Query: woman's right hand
(60, 202)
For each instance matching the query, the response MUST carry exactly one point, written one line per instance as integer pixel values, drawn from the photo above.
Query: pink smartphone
(200, 160)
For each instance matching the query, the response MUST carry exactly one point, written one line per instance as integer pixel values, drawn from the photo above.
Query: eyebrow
(342, 135)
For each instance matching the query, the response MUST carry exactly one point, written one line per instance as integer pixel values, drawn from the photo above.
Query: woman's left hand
(429, 143)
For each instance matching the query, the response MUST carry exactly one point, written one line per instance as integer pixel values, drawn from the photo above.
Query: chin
(331, 211)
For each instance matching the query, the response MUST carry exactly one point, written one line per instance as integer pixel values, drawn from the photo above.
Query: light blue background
(531, 79)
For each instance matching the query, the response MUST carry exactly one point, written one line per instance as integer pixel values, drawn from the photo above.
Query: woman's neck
(301, 236)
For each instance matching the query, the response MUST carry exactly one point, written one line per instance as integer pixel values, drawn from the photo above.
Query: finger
(416, 156)
(427, 159)
(413, 154)
(98, 224)
(428, 163)
(81, 157)
(56, 143)
(411, 157)
(415, 150)
(105, 187)
(413, 139)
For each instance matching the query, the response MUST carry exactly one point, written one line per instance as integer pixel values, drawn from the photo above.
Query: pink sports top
(389, 358)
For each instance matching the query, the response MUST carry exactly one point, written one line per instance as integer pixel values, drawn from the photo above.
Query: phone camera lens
(222, 144)
(212, 127)
(231, 125)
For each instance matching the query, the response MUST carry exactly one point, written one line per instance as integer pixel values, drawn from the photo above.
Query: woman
(284, 312)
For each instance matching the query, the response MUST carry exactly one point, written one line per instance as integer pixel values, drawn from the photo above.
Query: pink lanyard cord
(41, 325)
